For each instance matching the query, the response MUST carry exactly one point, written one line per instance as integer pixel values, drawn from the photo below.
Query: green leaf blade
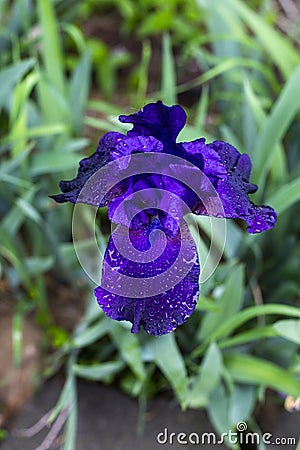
(168, 358)
(251, 370)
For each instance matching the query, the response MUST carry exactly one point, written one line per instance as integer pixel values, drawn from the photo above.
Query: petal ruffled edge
(87, 167)
(158, 120)
(162, 312)
(229, 172)
(158, 315)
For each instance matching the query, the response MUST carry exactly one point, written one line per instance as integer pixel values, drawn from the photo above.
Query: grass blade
(285, 196)
(250, 370)
(11, 75)
(52, 54)
(79, 90)
(229, 303)
(289, 329)
(243, 316)
(207, 378)
(168, 358)
(98, 371)
(274, 43)
(168, 87)
(275, 127)
(129, 347)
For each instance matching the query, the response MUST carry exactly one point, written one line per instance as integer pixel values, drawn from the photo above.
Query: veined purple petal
(234, 189)
(213, 166)
(87, 167)
(158, 314)
(229, 172)
(158, 120)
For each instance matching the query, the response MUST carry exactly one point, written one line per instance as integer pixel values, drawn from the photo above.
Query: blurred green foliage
(244, 335)
(148, 18)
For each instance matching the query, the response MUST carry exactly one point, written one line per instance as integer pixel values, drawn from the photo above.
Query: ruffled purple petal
(87, 167)
(234, 189)
(158, 314)
(135, 144)
(212, 164)
(158, 120)
(229, 172)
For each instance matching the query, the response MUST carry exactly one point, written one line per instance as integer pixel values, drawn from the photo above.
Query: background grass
(61, 88)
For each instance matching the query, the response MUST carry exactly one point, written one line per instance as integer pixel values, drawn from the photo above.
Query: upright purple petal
(158, 120)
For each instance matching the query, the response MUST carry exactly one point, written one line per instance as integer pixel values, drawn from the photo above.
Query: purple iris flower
(148, 207)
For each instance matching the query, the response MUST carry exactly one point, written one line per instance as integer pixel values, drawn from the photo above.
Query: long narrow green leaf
(13, 163)
(69, 400)
(289, 329)
(65, 398)
(168, 358)
(229, 303)
(76, 35)
(168, 87)
(13, 220)
(275, 43)
(11, 75)
(91, 334)
(130, 349)
(98, 124)
(11, 250)
(218, 408)
(53, 162)
(143, 70)
(279, 161)
(29, 210)
(98, 371)
(243, 316)
(285, 196)
(220, 69)
(206, 380)
(51, 88)
(248, 336)
(275, 127)
(15, 181)
(79, 90)
(251, 370)
(242, 402)
(36, 265)
(52, 54)
(202, 110)
(71, 429)
(22, 93)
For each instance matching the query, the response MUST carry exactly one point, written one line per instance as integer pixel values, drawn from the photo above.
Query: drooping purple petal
(229, 172)
(87, 167)
(157, 314)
